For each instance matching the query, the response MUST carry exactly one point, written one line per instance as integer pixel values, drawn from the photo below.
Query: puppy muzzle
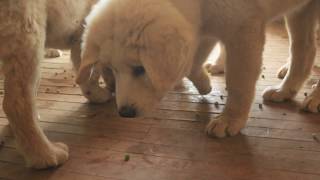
(128, 112)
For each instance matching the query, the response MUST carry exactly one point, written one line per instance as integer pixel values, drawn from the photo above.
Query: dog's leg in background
(91, 88)
(53, 53)
(21, 70)
(301, 26)
(312, 102)
(243, 66)
(218, 66)
(198, 75)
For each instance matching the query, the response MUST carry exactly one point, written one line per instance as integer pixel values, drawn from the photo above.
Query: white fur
(23, 36)
(302, 56)
(171, 39)
(218, 66)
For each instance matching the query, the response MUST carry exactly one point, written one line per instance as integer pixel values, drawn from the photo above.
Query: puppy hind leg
(243, 66)
(218, 66)
(91, 88)
(303, 51)
(21, 76)
(198, 75)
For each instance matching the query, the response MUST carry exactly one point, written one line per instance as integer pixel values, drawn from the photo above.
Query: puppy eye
(138, 71)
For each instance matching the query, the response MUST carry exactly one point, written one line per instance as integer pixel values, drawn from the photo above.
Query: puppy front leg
(303, 52)
(91, 88)
(242, 70)
(198, 75)
(21, 73)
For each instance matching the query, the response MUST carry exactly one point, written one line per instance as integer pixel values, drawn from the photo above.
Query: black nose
(128, 112)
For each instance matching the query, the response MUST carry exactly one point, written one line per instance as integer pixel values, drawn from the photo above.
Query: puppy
(151, 45)
(303, 51)
(301, 60)
(150, 62)
(26, 27)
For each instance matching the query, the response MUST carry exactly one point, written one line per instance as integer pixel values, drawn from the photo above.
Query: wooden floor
(277, 143)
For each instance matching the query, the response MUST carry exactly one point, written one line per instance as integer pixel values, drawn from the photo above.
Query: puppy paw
(53, 53)
(312, 102)
(223, 126)
(52, 156)
(277, 94)
(202, 82)
(179, 86)
(283, 71)
(204, 89)
(214, 68)
(96, 94)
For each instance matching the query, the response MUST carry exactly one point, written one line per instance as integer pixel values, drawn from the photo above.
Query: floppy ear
(89, 59)
(168, 54)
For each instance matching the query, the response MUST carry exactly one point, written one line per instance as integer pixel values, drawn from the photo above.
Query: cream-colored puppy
(302, 56)
(301, 26)
(26, 27)
(150, 45)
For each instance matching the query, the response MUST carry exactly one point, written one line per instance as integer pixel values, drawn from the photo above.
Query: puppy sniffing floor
(150, 45)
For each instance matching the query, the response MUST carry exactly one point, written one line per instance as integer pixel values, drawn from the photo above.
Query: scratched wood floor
(277, 143)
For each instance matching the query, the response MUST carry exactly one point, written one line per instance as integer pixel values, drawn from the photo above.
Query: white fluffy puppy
(302, 29)
(151, 45)
(302, 56)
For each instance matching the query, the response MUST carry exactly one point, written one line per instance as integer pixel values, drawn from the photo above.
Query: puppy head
(148, 45)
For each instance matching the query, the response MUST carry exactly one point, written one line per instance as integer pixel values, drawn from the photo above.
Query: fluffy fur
(26, 27)
(218, 66)
(171, 39)
(301, 26)
(302, 56)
